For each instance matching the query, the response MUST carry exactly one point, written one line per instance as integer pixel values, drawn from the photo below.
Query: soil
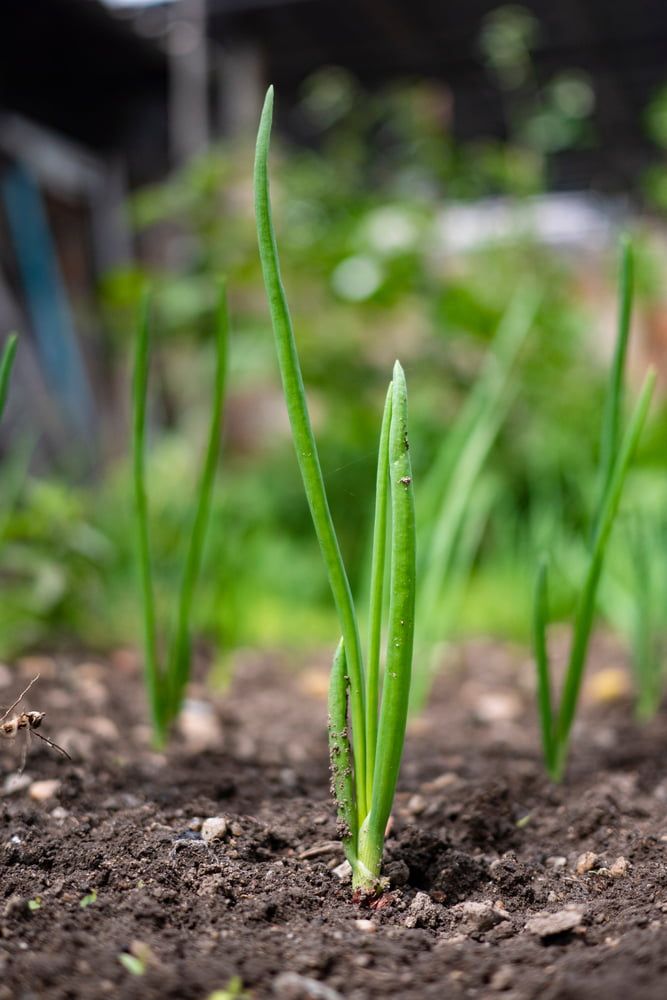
(502, 885)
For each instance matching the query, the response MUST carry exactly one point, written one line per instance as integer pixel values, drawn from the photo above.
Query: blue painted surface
(46, 298)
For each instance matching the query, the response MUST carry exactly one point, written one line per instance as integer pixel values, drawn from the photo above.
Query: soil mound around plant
(136, 874)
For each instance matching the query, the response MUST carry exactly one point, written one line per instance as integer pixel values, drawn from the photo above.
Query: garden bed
(112, 885)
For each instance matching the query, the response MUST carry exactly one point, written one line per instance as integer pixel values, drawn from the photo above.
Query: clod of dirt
(397, 872)
(423, 912)
(619, 868)
(292, 986)
(586, 862)
(214, 828)
(548, 925)
(472, 917)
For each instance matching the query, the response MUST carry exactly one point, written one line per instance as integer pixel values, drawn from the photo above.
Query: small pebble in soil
(366, 926)
(343, 871)
(292, 986)
(214, 828)
(103, 728)
(473, 917)
(416, 805)
(546, 925)
(40, 791)
(199, 725)
(586, 862)
(556, 861)
(14, 783)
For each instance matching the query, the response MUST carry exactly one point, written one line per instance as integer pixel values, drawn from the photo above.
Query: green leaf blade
(376, 603)
(305, 445)
(152, 673)
(400, 637)
(586, 609)
(178, 669)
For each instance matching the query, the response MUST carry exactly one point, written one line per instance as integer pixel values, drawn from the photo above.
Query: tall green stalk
(364, 763)
(152, 675)
(400, 631)
(556, 724)
(305, 446)
(165, 685)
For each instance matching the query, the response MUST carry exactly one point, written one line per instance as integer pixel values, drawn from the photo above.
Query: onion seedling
(6, 365)
(452, 506)
(166, 683)
(366, 751)
(615, 456)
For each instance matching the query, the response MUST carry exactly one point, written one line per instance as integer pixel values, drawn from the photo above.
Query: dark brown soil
(110, 889)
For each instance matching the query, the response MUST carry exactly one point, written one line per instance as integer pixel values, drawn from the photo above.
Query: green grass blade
(377, 588)
(542, 663)
(305, 446)
(400, 633)
(454, 481)
(586, 608)
(6, 365)
(178, 671)
(486, 404)
(340, 756)
(611, 422)
(139, 393)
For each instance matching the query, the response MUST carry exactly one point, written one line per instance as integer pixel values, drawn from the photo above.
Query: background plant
(615, 456)
(166, 684)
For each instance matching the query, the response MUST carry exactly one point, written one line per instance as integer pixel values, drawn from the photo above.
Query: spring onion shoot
(166, 683)
(366, 719)
(616, 454)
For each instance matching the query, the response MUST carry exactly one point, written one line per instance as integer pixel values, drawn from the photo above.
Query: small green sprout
(166, 683)
(135, 966)
(364, 762)
(88, 900)
(232, 991)
(35, 904)
(616, 454)
(6, 365)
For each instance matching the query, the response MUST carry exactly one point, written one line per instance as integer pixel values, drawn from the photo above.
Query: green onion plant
(166, 681)
(367, 718)
(616, 453)
(454, 500)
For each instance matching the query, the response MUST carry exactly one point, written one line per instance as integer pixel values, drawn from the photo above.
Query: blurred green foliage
(372, 272)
